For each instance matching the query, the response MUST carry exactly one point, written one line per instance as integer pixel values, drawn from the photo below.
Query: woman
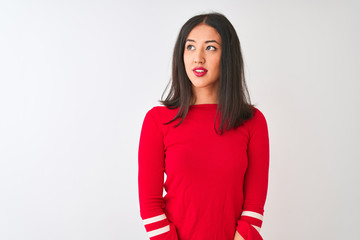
(210, 141)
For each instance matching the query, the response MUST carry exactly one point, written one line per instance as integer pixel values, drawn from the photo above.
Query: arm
(255, 180)
(150, 181)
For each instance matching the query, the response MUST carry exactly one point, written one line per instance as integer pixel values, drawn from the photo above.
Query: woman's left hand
(238, 236)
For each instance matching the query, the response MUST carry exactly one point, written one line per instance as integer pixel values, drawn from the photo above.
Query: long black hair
(233, 97)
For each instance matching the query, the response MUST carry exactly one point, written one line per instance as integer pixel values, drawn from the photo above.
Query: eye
(190, 47)
(211, 48)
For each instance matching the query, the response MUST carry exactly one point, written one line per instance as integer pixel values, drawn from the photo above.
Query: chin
(201, 85)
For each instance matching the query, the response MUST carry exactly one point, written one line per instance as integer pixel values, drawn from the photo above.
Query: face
(202, 55)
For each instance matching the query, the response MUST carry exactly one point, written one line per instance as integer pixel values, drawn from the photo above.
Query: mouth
(200, 71)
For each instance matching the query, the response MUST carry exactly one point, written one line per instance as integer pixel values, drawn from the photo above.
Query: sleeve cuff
(248, 231)
(160, 228)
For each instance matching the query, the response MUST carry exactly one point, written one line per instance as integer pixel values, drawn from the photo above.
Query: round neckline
(204, 105)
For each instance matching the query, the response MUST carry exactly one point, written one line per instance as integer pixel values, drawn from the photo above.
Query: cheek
(216, 65)
(187, 65)
(186, 61)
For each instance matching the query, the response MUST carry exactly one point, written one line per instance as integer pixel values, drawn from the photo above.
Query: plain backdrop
(77, 77)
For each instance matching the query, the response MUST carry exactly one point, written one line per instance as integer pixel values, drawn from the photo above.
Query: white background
(77, 77)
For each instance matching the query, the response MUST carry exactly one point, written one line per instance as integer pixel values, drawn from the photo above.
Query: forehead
(204, 32)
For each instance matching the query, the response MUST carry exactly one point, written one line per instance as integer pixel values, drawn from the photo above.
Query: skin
(238, 236)
(201, 53)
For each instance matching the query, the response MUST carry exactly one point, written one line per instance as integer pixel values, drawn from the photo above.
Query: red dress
(215, 184)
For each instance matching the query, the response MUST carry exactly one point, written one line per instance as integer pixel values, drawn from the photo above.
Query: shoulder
(157, 111)
(258, 115)
(257, 121)
(160, 113)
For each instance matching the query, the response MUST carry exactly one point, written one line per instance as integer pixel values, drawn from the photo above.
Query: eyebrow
(208, 41)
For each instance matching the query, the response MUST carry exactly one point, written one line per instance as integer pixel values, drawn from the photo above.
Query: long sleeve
(255, 180)
(151, 180)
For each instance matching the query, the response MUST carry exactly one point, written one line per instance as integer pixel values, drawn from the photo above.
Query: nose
(199, 58)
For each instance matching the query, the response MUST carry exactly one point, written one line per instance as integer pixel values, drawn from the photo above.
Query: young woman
(210, 141)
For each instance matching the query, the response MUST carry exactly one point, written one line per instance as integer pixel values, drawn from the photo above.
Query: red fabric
(215, 184)
(247, 231)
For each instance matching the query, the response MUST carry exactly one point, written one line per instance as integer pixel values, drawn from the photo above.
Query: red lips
(199, 71)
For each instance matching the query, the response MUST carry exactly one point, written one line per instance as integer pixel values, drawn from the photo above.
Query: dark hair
(233, 97)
